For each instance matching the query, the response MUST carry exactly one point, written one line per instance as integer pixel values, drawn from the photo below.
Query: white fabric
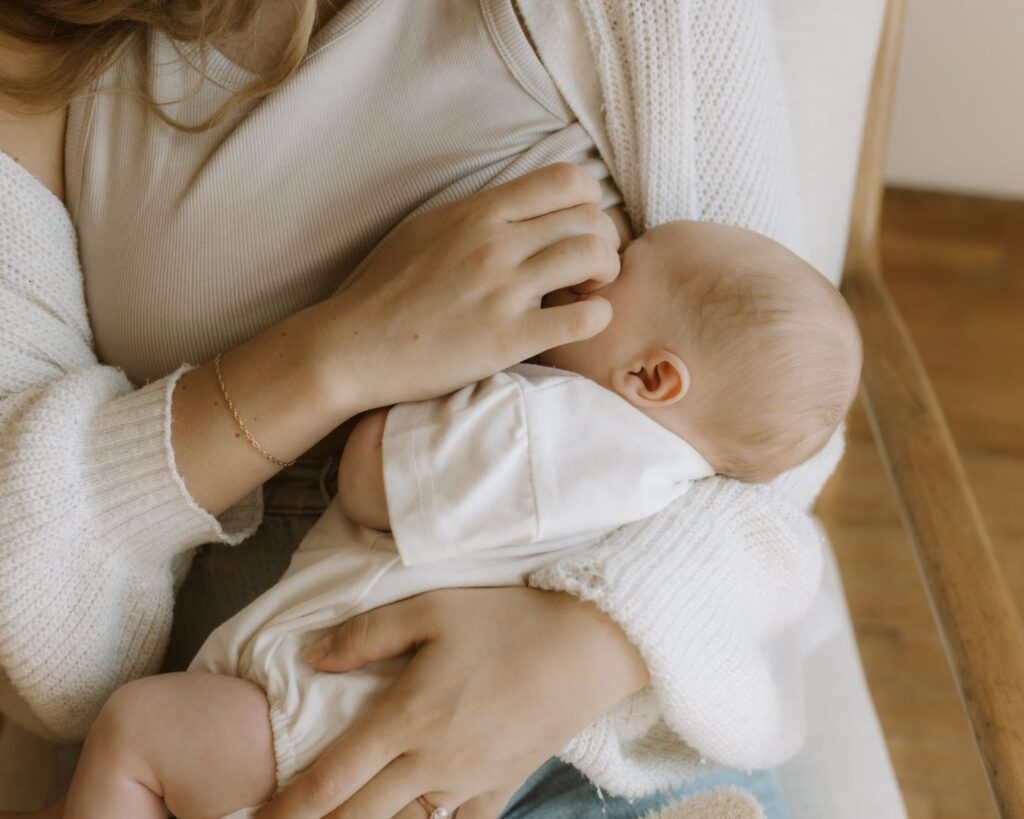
(402, 105)
(342, 569)
(745, 564)
(686, 104)
(530, 454)
(94, 519)
(843, 771)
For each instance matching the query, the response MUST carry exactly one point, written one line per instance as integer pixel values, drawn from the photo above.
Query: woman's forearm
(290, 390)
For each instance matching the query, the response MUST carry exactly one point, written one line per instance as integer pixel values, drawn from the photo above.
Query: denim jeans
(559, 791)
(224, 579)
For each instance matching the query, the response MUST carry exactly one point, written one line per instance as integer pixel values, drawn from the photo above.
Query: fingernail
(317, 650)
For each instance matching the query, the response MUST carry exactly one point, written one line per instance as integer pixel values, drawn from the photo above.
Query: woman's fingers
(551, 188)
(463, 688)
(376, 635)
(414, 810)
(443, 302)
(544, 231)
(392, 790)
(554, 326)
(576, 261)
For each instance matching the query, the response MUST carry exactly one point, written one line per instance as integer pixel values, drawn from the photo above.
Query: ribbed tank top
(194, 242)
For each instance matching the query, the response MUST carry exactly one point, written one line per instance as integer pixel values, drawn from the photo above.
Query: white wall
(959, 117)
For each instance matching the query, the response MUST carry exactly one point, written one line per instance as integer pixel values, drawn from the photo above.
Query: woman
(225, 246)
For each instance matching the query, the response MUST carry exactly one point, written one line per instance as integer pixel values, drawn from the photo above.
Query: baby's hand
(361, 473)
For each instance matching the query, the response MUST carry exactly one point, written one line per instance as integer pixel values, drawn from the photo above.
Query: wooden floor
(956, 268)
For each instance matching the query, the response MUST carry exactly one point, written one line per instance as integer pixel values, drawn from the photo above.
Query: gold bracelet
(248, 435)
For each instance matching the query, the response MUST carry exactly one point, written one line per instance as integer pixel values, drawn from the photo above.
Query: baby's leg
(199, 744)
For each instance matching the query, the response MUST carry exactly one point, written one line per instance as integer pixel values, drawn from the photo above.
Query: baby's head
(727, 339)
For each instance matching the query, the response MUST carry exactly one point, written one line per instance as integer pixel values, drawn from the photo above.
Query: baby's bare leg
(196, 744)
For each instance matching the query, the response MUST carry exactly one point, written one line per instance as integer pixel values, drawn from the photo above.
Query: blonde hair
(786, 370)
(84, 39)
(775, 351)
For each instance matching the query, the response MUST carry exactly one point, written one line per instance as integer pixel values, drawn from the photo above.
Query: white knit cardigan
(96, 526)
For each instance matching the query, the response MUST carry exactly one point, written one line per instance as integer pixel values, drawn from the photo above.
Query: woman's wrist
(606, 648)
(331, 352)
(289, 392)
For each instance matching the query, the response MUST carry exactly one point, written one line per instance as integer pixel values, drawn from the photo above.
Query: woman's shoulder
(34, 140)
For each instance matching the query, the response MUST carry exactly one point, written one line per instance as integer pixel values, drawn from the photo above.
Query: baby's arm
(199, 744)
(530, 455)
(361, 474)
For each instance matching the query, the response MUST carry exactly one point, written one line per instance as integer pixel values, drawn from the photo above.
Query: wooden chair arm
(972, 605)
(970, 600)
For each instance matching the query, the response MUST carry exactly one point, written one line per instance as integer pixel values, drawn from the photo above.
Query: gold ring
(433, 812)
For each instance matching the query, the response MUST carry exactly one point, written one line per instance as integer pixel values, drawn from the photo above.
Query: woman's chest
(192, 242)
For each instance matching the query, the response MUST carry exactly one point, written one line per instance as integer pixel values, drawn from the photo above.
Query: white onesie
(484, 487)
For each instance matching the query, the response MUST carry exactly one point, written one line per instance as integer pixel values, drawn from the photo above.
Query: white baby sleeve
(530, 454)
(456, 472)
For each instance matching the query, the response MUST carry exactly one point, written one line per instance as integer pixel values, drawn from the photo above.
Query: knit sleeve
(96, 525)
(710, 591)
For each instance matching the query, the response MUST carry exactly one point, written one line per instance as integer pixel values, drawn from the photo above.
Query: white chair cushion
(827, 49)
(843, 771)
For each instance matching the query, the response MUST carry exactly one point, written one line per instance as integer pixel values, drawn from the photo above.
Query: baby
(726, 354)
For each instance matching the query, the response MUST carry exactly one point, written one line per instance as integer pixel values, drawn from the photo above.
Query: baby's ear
(657, 378)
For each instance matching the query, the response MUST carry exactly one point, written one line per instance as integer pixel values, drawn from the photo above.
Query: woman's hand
(454, 295)
(500, 681)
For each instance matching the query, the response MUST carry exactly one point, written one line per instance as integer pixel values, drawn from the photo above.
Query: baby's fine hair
(778, 363)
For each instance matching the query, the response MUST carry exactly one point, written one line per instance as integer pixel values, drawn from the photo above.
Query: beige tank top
(193, 242)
